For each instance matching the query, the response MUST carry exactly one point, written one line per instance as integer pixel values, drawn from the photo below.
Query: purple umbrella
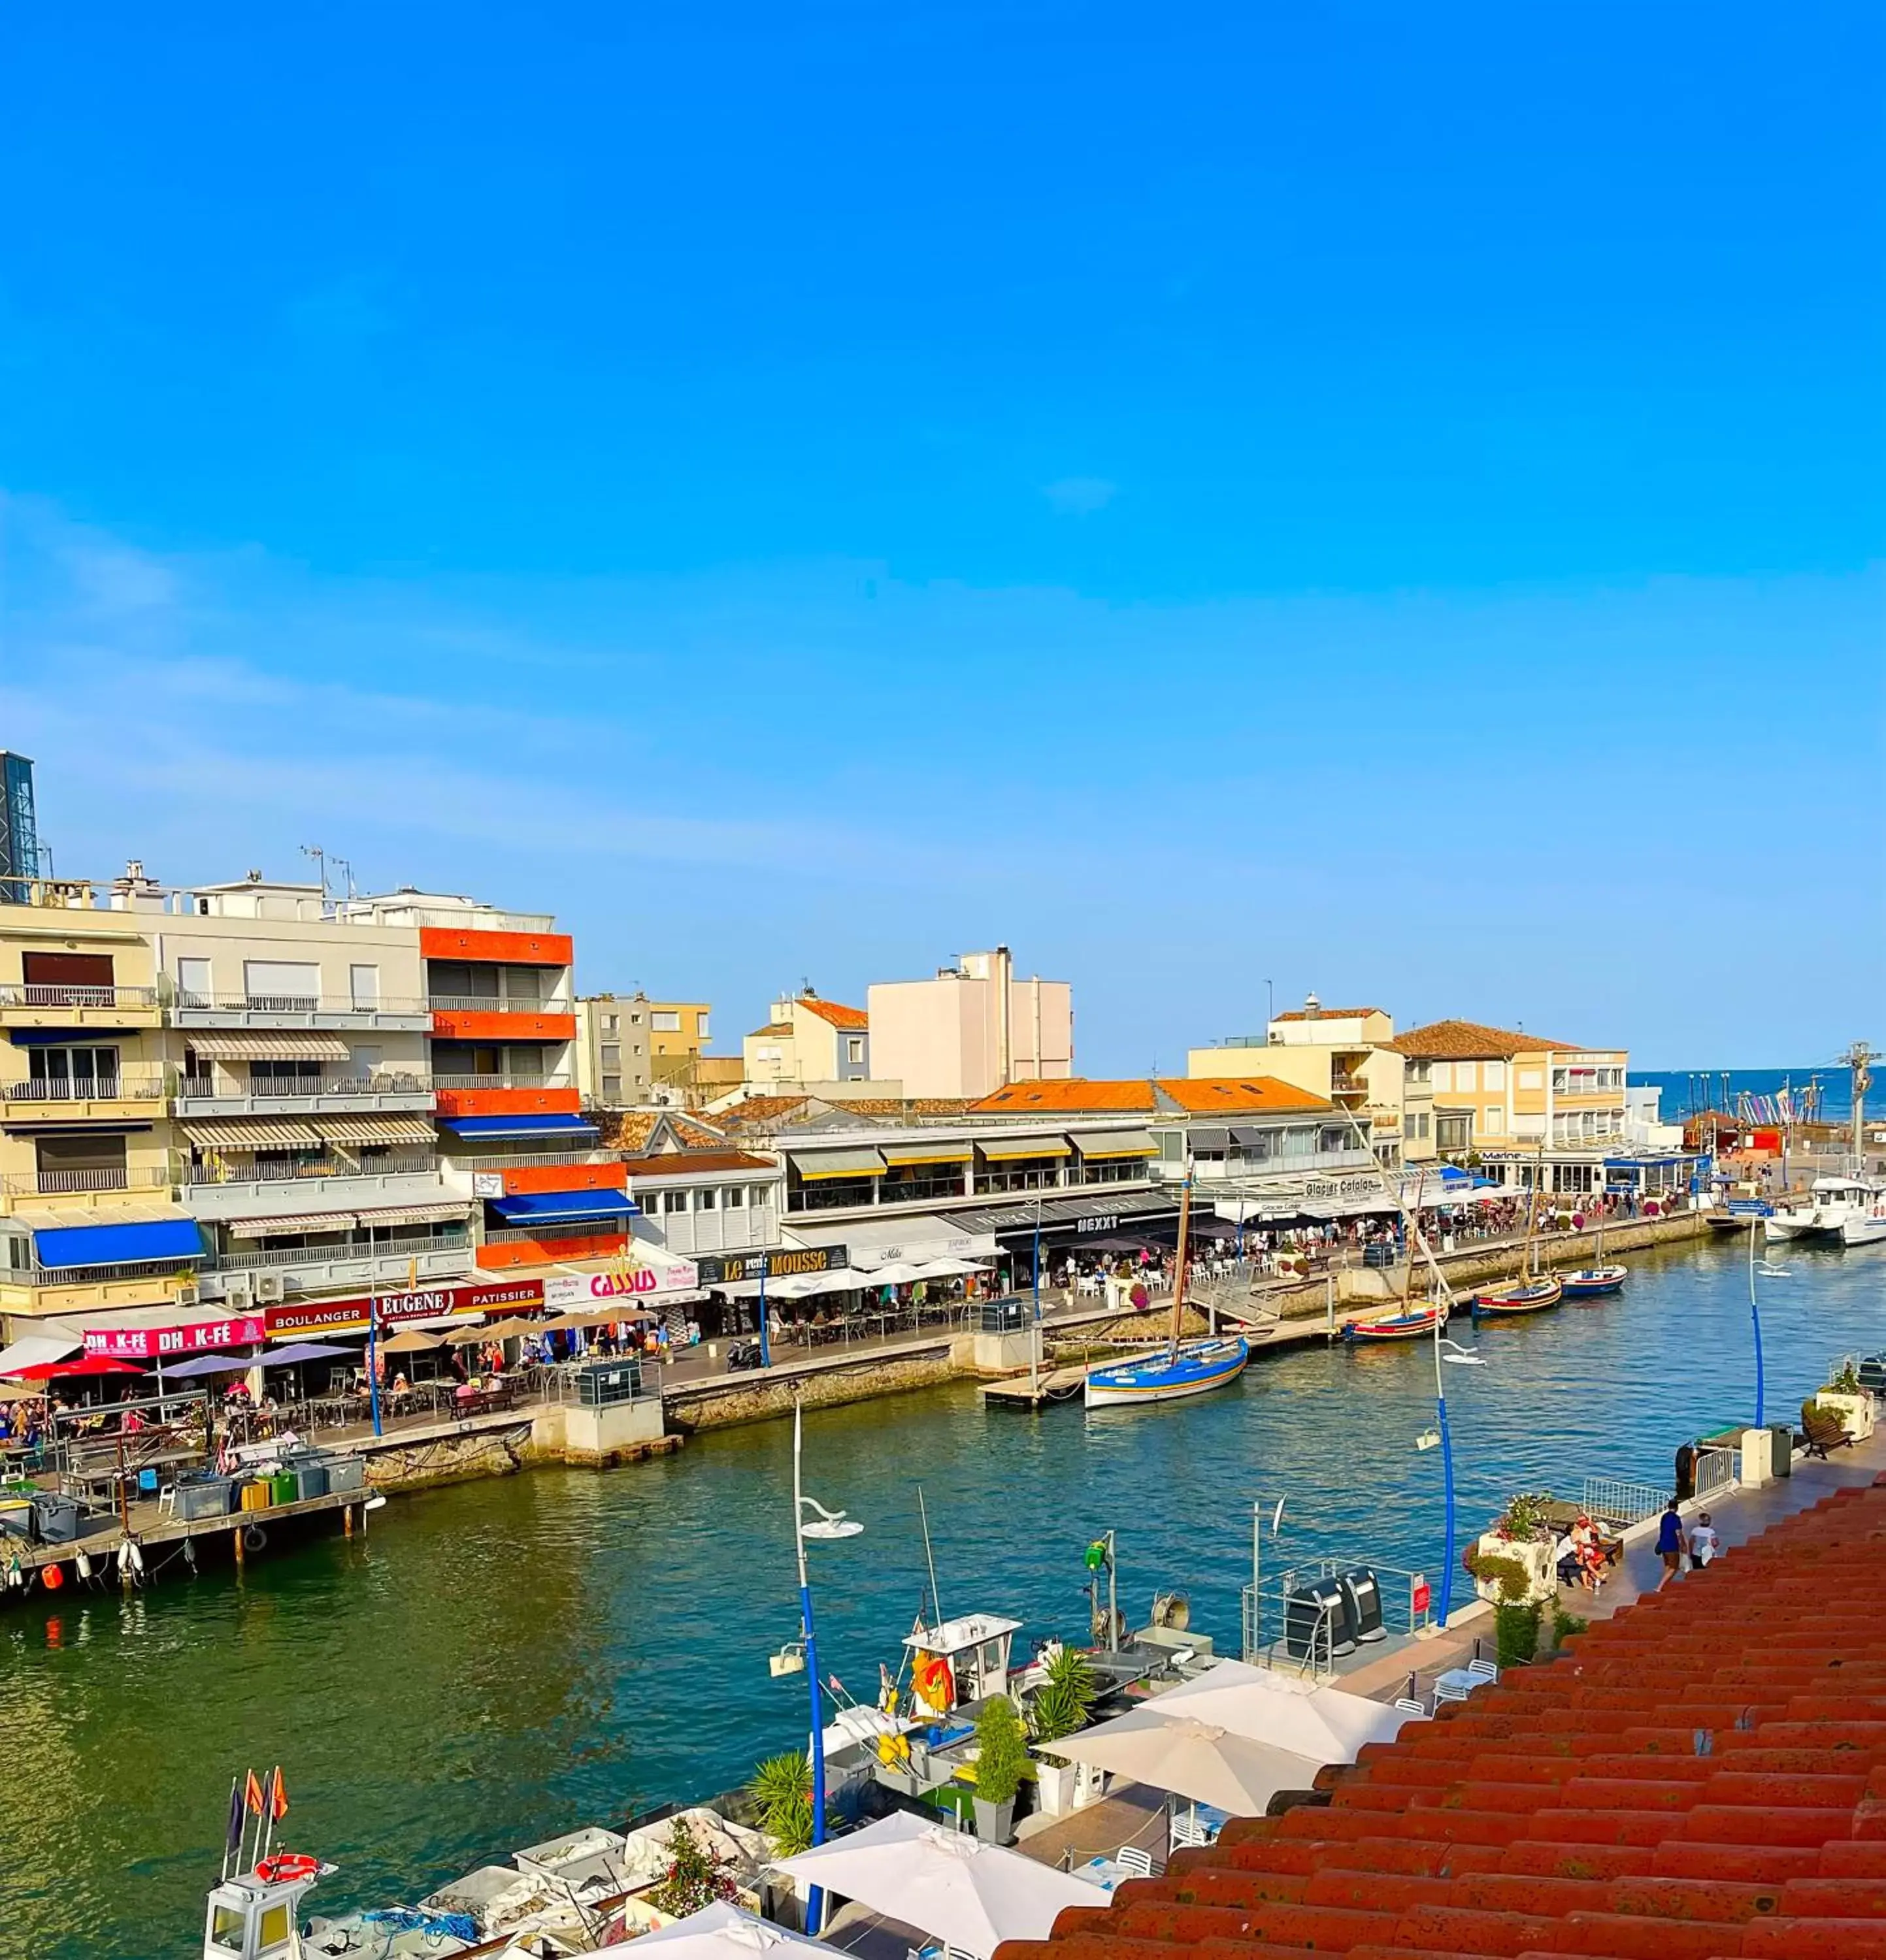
(308, 1351)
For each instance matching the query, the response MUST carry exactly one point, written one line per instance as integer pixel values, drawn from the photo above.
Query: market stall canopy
(1191, 1758)
(952, 1886)
(900, 1273)
(1326, 1724)
(726, 1932)
(948, 1269)
(515, 1329)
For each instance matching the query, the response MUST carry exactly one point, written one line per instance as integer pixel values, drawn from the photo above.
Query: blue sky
(1376, 499)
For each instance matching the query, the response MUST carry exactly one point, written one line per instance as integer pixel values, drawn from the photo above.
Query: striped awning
(415, 1214)
(253, 1133)
(375, 1129)
(1120, 1143)
(1002, 1150)
(838, 1163)
(295, 1221)
(270, 1047)
(937, 1151)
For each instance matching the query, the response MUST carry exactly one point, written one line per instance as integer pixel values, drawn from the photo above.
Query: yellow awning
(1122, 1144)
(1000, 1150)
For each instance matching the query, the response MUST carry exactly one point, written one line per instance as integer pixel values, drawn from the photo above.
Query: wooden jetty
(1053, 1384)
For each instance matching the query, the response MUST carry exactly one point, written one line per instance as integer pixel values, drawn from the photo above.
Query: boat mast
(1178, 1276)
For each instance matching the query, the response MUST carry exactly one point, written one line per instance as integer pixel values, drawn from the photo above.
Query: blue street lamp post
(766, 1346)
(1450, 1352)
(827, 1525)
(1755, 1317)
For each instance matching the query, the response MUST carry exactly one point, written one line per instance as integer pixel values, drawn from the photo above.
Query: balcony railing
(547, 1233)
(33, 994)
(1347, 1085)
(381, 1253)
(1587, 1091)
(130, 1087)
(490, 1003)
(279, 1088)
(507, 1081)
(296, 1003)
(533, 1160)
(61, 1183)
(271, 1170)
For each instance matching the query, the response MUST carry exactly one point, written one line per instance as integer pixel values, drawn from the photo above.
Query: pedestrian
(1670, 1543)
(1704, 1546)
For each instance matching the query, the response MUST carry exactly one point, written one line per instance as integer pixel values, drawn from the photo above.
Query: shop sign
(196, 1337)
(343, 1316)
(1419, 1597)
(781, 1262)
(640, 1281)
(1101, 1221)
(487, 1184)
(1323, 1188)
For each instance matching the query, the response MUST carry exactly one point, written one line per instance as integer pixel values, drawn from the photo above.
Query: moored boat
(1824, 1215)
(1194, 1368)
(1409, 1324)
(1594, 1282)
(1867, 1228)
(1522, 1297)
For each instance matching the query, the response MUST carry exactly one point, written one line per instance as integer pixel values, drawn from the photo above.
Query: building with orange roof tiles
(809, 1043)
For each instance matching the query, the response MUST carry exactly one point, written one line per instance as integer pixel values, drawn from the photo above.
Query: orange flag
(252, 1795)
(279, 1798)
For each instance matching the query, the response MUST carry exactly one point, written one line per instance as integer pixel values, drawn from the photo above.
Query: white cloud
(1080, 496)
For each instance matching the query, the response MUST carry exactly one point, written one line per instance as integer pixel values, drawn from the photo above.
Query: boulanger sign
(727, 1268)
(346, 1316)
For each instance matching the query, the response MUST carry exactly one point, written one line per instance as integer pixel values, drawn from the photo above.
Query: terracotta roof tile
(1069, 1097)
(773, 1028)
(1571, 1810)
(1468, 1041)
(628, 1130)
(686, 1163)
(1077, 1097)
(829, 1010)
(1249, 1092)
(759, 1112)
(1329, 1014)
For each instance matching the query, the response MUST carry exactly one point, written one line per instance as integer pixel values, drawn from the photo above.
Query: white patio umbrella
(951, 1269)
(1191, 1758)
(1328, 1725)
(944, 1882)
(899, 1273)
(726, 1932)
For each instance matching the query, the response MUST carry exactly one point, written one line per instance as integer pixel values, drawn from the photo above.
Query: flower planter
(1055, 1781)
(1542, 1576)
(995, 1822)
(1856, 1411)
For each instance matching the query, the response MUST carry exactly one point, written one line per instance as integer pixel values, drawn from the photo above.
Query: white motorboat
(1867, 1227)
(1829, 1203)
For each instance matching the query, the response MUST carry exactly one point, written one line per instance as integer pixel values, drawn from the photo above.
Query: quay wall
(718, 1403)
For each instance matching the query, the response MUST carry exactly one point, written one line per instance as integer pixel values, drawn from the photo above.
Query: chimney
(1004, 1020)
(1312, 1007)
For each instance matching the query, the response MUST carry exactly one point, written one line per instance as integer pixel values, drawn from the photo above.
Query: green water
(498, 1662)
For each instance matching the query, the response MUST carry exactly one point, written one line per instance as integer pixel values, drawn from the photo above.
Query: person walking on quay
(1704, 1546)
(1670, 1543)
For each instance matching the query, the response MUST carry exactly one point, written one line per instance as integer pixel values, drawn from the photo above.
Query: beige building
(973, 1028)
(1348, 1056)
(614, 1067)
(1516, 1101)
(807, 1039)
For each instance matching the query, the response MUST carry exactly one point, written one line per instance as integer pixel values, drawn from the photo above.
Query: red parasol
(91, 1364)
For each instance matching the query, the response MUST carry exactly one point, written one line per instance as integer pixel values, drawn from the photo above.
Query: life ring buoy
(286, 1866)
(254, 1537)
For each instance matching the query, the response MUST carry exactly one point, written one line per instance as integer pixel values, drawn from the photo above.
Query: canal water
(498, 1662)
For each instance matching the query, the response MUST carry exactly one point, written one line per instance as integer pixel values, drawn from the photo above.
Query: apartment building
(806, 1040)
(972, 1029)
(252, 1104)
(1519, 1101)
(613, 1052)
(1346, 1055)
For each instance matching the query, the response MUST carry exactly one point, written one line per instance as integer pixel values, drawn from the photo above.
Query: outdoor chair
(1482, 1670)
(1135, 1859)
(1443, 1692)
(1409, 1705)
(167, 1501)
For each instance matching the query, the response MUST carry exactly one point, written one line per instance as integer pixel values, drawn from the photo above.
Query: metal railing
(55, 1183)
(287, 1088)
(1283, 1627)
(532, 1160)
(1617, 1500)
(560, 1228)
(294, 1003)
(382, 1252)
(34, 993)
(129, 1087)
(492, 1003)
(293, 1171)
(501, 1081)
(1716, 1471)
(87, 1276)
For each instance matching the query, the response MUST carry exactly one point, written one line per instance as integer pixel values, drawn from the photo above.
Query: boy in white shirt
(1704, 1544)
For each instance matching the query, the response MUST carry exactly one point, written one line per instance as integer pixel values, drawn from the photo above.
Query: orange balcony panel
(566, 1177)
(508, 1102)
(467, 1026)
(508, 949)
(510, 1254)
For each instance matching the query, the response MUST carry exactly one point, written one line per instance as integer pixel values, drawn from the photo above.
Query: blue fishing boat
(1594, 1282)
(1524, 1296)
(1181, 1367)
(1409, 1324)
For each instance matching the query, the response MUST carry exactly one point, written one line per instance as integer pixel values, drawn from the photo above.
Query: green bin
(281, 1487)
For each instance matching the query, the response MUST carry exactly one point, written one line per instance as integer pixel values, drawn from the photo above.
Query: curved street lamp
(825, 1527)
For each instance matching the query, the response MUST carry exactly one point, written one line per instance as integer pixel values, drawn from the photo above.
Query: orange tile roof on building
(1077, 1097)
(758, 1111)
(1701, 1777)
(774, 1028)
(902, 1105)
(686, 1164)
(829, 1010)
(1241, 1092)
(629, 1131)
(1329, 1014)
(1468, 1041)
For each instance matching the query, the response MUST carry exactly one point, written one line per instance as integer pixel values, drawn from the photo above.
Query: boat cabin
(253, 1918)
(961, 1661)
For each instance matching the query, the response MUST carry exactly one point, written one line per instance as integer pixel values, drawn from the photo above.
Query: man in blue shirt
(1670, 1543)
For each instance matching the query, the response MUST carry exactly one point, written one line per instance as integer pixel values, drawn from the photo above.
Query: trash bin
(55, 1517)
(281, 1488)
(1316, 1621)
(310, 1477)
(1782, 1462)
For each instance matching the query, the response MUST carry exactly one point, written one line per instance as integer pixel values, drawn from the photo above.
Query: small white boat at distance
(1830, 1202)
(1867, 1227)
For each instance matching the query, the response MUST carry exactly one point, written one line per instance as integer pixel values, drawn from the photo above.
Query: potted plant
(1061, 1706)
(697, 1876)
(1513, 1563)
(1844, 1397)
(1002, 1752)
(782, 1790)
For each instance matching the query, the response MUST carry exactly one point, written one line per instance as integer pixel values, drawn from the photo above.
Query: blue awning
(537, 1207)
(66, 1246)
(470, 1127)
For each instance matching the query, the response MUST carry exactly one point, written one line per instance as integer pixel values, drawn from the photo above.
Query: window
(192, 983)
(760, 1194)
(673, 1202)
(612, 1055)
(611, 1023)
(635, 1020)
(854, 1048)
(1493, 1075)
(80, 1071)
(1443, 1075)
(734, 1198)
(700, 1027)
(704, 1200)
(1463, 1075)
(363, 988)
(288, 986)
(665, 1021)
(1530, 1078)
(612, 1088)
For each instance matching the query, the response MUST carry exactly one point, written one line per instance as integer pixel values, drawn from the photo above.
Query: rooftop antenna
(345, 866)
(320, 857)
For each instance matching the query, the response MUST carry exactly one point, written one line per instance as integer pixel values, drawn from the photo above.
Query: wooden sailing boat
(1529, 1292)
(1408, 1322)
(1596, 1281)
(1182, 1367)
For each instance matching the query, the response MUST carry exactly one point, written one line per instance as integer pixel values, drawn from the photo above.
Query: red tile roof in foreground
(830, 1010)
(1703, 1776)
